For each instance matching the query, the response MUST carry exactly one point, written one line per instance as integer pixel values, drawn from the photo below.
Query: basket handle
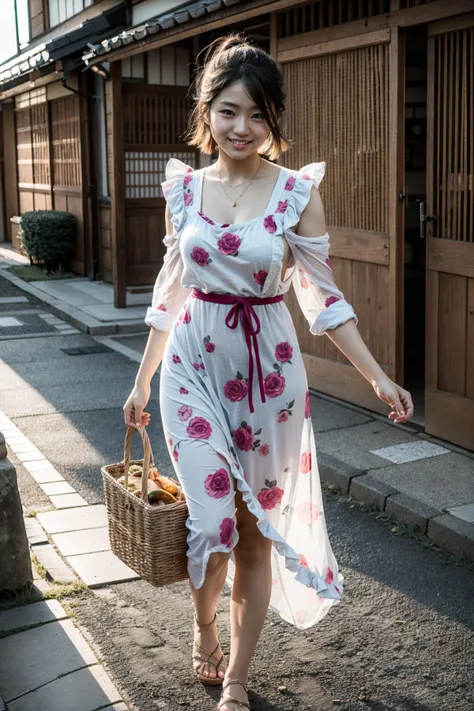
(147, 455)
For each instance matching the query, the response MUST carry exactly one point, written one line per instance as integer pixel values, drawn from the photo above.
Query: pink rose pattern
(161, 307)
(305, 463)
(199, 428)
(270, 224)
(237, 388)
(331, 300)
(206, 218)
(227, 531)
(184, 413)
(307, 405)
(247, 440)
(270, 496)
(200, 256)
(229, 244)
(217, 485)
(260, 277)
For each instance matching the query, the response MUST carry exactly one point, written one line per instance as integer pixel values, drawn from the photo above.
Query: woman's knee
(217, 561)
(252, 549)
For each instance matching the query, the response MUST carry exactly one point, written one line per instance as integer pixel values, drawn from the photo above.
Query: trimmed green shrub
(49, 237)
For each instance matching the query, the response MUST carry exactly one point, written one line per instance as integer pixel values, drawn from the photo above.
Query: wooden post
(10, 166)
(118, 189)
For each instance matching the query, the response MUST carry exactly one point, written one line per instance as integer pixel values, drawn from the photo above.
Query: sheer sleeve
(319, 298)
(169, 294)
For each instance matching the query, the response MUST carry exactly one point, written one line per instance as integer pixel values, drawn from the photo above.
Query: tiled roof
(166, 21)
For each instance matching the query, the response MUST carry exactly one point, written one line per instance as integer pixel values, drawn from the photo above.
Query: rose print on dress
(290, 183)
(208, 345)
(303, 560)
(184, 413)
(229, 244)
(264, 450)
(161, 307)
(199, 428)
(217, 485)
(283, 352)
(329, 576)
(176, 358)
(282, 205)
(303, 280)
(200, 256)
(183, 391)
(187, 179)
(328, 262)
(286, 412)
(307, 405)
(331, 300)
(305, 463)
(273, 384)
(307, 512)
(245, 438)
(227, 530)
(237, 388)
(270, 224)
(188, 198)
(270, 496)
(260, 277)
(184, 316)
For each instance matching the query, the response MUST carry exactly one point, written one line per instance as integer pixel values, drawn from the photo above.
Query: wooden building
(382, 90)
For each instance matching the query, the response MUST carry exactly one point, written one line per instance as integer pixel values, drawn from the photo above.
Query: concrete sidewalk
(85, 304)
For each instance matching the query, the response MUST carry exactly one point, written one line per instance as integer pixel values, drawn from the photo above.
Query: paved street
(401, 640)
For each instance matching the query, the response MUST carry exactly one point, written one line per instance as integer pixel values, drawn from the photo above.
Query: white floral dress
(217, 438)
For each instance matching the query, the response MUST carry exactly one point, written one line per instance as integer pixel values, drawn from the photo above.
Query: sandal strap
(233, 700)
(201, 655)
(208, 624)
(228, 682)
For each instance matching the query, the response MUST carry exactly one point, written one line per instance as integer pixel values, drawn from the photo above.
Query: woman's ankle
(235, 672)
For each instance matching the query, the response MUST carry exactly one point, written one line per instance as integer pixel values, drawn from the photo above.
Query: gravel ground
(401, 640)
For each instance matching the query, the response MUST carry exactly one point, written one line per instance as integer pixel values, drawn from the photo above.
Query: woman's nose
(241, 125)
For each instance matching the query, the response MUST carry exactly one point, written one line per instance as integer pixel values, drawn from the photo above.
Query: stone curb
(74, 316)
(445, 530)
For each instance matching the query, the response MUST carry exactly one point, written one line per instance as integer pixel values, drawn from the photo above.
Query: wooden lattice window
(155, 118)
(453, 151)
(321, 14)
(33, 146)
(66, 141)
(337, 111)
(145, 170)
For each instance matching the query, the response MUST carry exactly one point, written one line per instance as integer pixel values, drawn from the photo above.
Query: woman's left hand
(399, 399)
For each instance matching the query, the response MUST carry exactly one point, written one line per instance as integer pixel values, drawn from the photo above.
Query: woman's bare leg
(205, 602)
(250, 598)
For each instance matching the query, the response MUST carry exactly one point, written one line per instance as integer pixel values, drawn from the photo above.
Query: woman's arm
(347, 337)
(151, 359)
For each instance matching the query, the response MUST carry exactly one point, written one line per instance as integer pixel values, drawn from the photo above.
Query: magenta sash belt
(244, 305)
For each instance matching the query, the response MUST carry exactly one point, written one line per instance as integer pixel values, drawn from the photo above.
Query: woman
(234, 396)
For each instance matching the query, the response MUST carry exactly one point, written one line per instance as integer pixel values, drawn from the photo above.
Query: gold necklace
(234, 202)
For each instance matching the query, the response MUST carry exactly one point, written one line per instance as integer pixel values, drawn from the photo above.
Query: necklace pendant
(233, 203)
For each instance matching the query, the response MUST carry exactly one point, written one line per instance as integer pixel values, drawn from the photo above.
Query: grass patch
(32, 272)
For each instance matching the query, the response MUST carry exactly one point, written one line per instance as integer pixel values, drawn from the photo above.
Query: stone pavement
(85, 304)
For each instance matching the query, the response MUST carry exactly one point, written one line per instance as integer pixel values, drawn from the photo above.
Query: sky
(8, 46)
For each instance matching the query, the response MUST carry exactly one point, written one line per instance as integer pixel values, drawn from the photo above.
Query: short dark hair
(227, 60)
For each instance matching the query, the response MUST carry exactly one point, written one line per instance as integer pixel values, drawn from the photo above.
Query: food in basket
(161, 489)
(154, 497)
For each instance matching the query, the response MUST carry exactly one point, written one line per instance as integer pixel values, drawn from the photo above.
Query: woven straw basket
(149, 539)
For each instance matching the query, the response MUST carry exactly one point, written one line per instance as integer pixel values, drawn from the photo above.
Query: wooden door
(345, 101)
(450, 237)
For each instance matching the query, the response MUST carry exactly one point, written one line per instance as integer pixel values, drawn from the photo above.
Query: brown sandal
(231, 699)
(200, 655)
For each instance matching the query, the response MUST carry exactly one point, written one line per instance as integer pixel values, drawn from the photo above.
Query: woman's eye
(259, 116)
(226, 111)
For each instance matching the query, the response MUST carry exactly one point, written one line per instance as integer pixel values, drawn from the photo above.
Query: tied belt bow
(243, 305)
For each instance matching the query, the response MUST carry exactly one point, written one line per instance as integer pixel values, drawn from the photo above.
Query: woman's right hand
(133, 410)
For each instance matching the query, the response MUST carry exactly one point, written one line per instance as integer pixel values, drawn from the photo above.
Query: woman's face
(236, 123)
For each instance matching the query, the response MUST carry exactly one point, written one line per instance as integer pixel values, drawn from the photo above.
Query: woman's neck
(235, 170)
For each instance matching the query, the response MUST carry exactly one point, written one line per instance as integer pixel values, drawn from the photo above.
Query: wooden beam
(451, 256)
(451, 24)
(338, 45)
(400, 18)
(450, 417)
(419, 15)
(28, 85)
(118, 190)
(10, 176)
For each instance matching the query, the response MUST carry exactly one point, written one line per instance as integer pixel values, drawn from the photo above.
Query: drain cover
(28, 323)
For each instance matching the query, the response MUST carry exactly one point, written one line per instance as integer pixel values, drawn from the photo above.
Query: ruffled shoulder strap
(178, 190)
(298, 189)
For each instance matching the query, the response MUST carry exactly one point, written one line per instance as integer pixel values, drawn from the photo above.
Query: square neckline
(235, 225)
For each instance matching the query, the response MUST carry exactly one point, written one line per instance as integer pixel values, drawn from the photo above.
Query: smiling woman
(234, 396)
